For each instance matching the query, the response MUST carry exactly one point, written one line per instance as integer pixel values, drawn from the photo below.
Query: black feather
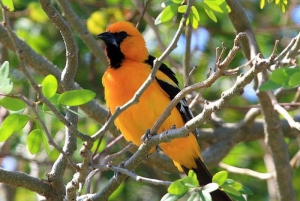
(163, 68)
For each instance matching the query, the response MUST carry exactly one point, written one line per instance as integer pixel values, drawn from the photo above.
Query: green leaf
(210, 13)
(168, 13)
(178, 188)
(294, 80)
(6, 85)
(195, 22)
(170, 197)
(218, 6)
(9, 4)
(245, 191)
(34, 140)
(13, 104)
(4, 70)
(22, 121)
(269, 85)
(46, 143)
(12, 123)
(210, 187)
(262, 4)
(36, 13)
(237, 198)
(238, 186)
(76, 97)
(191, 178)
(5, 133)
(182, 9)
(278, 76)
(158, 19)
(177, 1)
(195, 13)
(49, 86)
(53, 100)
(229, 189)
(205, 196)
(195, 197)
(229, 181)
(220, 177)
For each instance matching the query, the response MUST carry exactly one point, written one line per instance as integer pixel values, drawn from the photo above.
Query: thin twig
(245, 171)
(283, 112)
(142, 14)
(49, 137)
(208, 82)
(138, 178)
(108, 158)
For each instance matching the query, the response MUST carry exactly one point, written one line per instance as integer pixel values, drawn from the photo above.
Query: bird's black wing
(172, 90)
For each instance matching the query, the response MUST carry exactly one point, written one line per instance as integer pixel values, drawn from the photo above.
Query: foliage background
(33, 26)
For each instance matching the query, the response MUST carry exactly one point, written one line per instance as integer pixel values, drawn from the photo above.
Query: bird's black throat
(114, 55)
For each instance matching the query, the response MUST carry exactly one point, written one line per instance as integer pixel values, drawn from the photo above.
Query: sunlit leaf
(195, 13)
(195, 22)
(220, 177)
(6, 85)
(182, 9)
(9, 4)
(46, 143)
(170, 197)
(34, 140)
(204, 195)
(278, 75)
(193, 176)
(215, 5)
(177, 1)
(194, 197)
(76, 97)
(294, 80)
(36, 13)
(231, 190)
(190, 182)
(210, 13)
(53, 100)
(262, 4)
(158, 19)
(13, 104)
(210, 187)
(49, 86)
(269, 85)
(168, 13)
(229, 181)
(12, 123)
(4, 70)
(118, 192)
(238, 186)
(97, 22)
(5, 133)
(178, 188)
(22, 121)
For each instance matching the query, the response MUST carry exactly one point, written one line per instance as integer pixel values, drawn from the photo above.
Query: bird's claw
(147, 136)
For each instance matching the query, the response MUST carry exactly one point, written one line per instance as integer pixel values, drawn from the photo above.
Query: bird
(129, 66)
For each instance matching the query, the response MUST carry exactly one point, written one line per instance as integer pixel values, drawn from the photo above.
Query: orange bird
(129, 66)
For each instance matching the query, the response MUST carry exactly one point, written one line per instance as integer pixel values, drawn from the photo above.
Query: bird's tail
(204, 177)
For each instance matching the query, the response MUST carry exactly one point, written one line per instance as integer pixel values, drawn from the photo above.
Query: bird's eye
(120, 36)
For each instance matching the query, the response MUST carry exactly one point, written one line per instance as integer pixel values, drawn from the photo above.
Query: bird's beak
(108, 38)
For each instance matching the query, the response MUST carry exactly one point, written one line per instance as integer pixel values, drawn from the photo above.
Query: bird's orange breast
(120, 86)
